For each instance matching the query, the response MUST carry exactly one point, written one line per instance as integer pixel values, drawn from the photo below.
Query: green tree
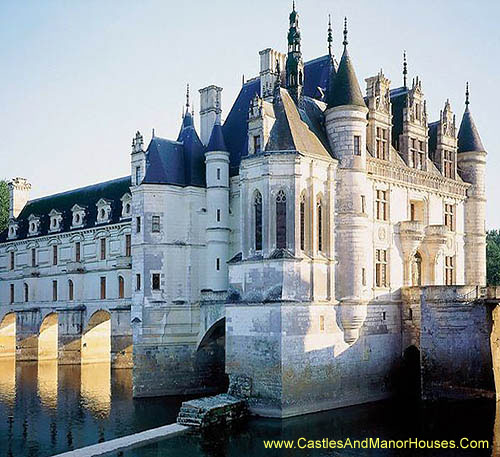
(493, 257)
(4, 205)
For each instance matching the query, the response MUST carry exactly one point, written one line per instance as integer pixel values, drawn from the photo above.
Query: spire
(345, 42)
(330, 37)
(187, 98)
(468, 136)
(294, 63)
(405, 69)
(216, 141)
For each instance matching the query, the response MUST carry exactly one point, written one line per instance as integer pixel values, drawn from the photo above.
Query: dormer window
(33, 225)
(103, 211)
(13, 228)
(126, 206)
(78, 218)
(55, 221)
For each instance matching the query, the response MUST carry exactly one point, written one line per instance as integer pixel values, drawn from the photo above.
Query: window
(54, 290)
(218, 173)
(448, 165)
(138, 175)
(218, 215)
(138, 225)
(26, 292)
(384, 315)
(256, 144)
(363, 276)
(121, 287)
(382, 146)
(281, 220)
(33, 257)
(449, 216)
(449, 270)
(12, 293)
(381, 205)
(156, 281)
(103, 287)
(319, 210)
(155, 224)
(103, 248)
(54, 255)
(303, 222)
(258, 221)
(128, 245)
(217, 264)
(410, 314)
(12, 260)
(357, 145)
(322, 323)
(412, 212)
(77, 252)
(137, 281)
(71, 290)
(363, 204)
(381, 268)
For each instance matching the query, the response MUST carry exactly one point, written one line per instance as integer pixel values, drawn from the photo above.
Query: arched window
(303, 222)
(319, 209)
(26, 292)
(71, 290)
(258, 220)
(281, 220)
(121, 287)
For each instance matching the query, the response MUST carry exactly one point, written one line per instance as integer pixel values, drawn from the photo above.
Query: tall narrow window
(121, 287)
(217, 264)
(363, 204)
(382, 147)
(103, 248)
(258, 221)
(12, 260)
(33, 257)
(26, 292)
(381, 268)
(357, 145)
(363, 276)
(54, 255)
(78, 252)
(103, 287)
(54, 290)
(12, 297)
(412, 212)
(138, 175)
(448, 167)
(218, 173)
(218, 215)
(303, 223)
(322, 323)
(449, 216)
(319, 210)
(138, 225)
(128, 245)
(71, 290)
(156, 281)
(281, 220)
(381, 205)
(449, 270)
(155, 224)
(137, 281)
(256, 144)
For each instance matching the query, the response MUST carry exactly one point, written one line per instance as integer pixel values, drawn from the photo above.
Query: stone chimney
(269, 58)
(19, 190)
(210, 109)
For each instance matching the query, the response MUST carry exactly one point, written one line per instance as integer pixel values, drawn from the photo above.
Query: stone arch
(96, 339)
(411, 375)
(8, 336)
(211, 356)
(48, 337)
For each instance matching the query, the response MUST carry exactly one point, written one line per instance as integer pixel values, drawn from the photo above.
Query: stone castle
(283, 251)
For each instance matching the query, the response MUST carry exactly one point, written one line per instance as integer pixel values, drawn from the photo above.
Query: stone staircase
(207, 411)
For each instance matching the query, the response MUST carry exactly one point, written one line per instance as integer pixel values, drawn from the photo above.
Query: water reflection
(496, 433)
(47, 383)
(8, 336)
(96, 388)
(8, 380)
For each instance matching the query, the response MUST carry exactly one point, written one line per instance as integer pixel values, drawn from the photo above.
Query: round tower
(346, 121)
(217, 173)
(472, 163)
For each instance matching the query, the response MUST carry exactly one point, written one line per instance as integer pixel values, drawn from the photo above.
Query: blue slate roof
(216, 142)
(398, 100)
(345, 89)
(63, 202)
(468, 136)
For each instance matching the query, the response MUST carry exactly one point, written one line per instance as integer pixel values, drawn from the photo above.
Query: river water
(46, 409)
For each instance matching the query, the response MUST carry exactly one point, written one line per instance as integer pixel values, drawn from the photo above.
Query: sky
(79, 77)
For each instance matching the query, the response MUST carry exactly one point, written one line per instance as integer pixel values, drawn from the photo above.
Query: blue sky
(80, 77)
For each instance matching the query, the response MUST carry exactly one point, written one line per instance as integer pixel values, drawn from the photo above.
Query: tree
(493, 257)
(4, 205)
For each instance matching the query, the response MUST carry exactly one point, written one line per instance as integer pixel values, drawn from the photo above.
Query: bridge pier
(28, 322)
(70, 335)
(121, 338)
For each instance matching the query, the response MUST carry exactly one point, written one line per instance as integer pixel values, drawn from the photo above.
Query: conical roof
(216, 142)
(468, 136)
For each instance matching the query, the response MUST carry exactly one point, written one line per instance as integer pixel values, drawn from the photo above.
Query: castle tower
(472, 163)
(138, 159)
(217, 173)
(294, 63)
(19, 191)
(346, 128)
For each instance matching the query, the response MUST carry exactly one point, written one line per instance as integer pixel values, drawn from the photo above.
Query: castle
(275, 247)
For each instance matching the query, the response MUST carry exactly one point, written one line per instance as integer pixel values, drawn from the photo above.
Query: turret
(472, 164)
(217, 174)
(346, 128)
(19, 191)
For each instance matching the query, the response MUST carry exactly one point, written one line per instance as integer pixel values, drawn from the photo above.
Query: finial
(345, 42)
(405, 68)
(153, 135)
(293, 5)
(243, 79)
(467, 95)
(278, 75)
(330, 36)
(187, 98)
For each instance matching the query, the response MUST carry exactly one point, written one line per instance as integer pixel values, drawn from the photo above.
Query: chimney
(19, 190)
(269, 58)
(210, 109)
